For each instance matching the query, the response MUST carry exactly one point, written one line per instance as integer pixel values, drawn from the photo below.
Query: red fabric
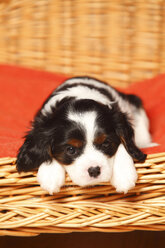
(22, 91)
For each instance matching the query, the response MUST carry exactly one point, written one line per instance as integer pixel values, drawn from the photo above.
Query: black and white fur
(90, 130)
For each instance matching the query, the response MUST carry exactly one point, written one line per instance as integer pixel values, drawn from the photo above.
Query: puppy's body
(83, 127)
(89, 88)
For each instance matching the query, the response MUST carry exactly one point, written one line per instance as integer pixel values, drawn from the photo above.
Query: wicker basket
(27, 210)
(118, 41)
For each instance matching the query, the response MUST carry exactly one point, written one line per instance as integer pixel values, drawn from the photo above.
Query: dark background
(135, 239)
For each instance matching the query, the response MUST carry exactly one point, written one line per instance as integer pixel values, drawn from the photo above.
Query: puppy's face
(85, 142)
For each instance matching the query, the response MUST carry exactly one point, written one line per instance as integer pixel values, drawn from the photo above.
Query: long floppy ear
(37, 147)
(126, 134)
(33, 152)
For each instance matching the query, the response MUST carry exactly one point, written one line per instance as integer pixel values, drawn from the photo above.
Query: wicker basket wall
(26, 210)
(119, 41)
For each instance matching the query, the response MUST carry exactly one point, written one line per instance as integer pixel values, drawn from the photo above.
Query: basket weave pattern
(27, 210)
(118, 41)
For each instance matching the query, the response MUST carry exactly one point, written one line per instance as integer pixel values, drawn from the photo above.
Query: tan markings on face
(100, 139)
(75, 142)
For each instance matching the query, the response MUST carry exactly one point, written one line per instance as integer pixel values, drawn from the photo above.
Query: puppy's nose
(94, 171)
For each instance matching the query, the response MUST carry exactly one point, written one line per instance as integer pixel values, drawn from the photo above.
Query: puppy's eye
(106, 143)
(70, 150)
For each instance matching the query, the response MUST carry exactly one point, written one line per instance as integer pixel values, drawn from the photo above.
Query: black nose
(94, 171)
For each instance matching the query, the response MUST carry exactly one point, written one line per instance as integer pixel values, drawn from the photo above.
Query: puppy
(89, 130)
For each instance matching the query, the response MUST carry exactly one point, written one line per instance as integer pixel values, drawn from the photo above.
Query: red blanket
(22, 91)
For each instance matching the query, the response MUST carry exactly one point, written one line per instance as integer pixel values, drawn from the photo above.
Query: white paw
(124, 175)
(124, 184)
(51, 176)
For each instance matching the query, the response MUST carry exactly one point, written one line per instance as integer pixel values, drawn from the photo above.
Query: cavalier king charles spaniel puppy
(89, 130)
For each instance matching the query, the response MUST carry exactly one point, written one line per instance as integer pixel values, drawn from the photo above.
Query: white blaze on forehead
(87, 120)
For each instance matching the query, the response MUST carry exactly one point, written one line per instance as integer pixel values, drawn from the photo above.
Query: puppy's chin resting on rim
(89, 130)
(121, 174)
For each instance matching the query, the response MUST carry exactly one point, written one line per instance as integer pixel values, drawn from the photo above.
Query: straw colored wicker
(120, 41)
(27, 210)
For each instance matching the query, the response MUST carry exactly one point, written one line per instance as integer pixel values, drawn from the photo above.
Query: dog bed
(27, 210)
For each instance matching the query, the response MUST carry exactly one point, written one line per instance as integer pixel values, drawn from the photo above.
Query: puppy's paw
(51, 176)
(124, 175)
(124, 183)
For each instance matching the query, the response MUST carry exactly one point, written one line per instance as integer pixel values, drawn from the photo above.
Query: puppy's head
(81, 135)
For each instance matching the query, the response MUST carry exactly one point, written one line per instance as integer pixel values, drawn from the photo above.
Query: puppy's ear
(33, 152)
(125, 132)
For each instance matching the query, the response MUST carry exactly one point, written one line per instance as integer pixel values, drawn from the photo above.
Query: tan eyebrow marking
(75, 142)
(100, 139)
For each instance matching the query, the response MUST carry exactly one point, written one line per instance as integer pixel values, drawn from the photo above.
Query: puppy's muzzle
(94, 171)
